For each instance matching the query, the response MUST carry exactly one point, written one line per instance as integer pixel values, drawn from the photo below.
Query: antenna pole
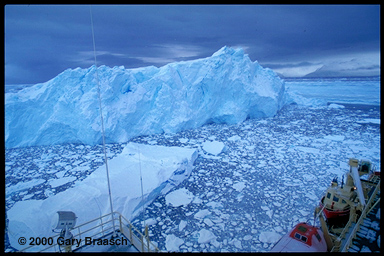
(102, 125)
(141, 182)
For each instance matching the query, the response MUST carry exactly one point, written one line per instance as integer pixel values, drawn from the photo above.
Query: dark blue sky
(294, 40)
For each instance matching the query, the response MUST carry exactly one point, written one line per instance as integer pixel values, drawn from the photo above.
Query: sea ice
(58, 182)
(179, 197)
(369, 120)
(335, 137)
(205, 236)
(23, 185)
(172, 243)
(333, 105)
(182, 225)
(269, 237)
(213, 147)
(239, 186)
(202, 214)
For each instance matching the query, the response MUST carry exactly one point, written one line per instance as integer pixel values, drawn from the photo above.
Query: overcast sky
(294, 40)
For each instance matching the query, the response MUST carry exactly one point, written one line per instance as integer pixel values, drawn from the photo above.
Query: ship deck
(364, 234)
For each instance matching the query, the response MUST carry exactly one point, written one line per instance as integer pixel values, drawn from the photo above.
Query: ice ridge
(224, 88)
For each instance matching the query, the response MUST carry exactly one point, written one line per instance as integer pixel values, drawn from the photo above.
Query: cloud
(329, 63)
(45, 40)
(87, 58)
(295, 70)
(162, 54)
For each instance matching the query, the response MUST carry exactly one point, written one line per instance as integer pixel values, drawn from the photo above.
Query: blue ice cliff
(224, 88)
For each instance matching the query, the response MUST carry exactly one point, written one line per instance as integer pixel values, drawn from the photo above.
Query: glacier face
(224, 88)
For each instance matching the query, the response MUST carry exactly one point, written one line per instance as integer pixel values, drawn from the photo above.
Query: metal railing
(101, 227)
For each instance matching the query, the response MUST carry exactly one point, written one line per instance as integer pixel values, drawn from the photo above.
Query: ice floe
(213, 147)
(179, 197)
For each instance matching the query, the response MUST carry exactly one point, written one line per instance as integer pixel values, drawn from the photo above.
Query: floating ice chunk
(239, 186)
(308, 149)
(269, 213)
(202, 213)
(269, 237)
(247, 237)
(237, 243)
(277, 204)
(309, 177)
(208, 222)
(58, 182)
(213, 147)
(183, 140)
(205, 236)
(333, 105)
(61, 174)
(369, 120)
(182, 225)
(179, 197)
(278, 229)
(23, 185)
(216, 205)
(304, 213)
(234, 138)
(311, 196)
(197, 200)
(172, 243)
(335, 137)
(150, 221)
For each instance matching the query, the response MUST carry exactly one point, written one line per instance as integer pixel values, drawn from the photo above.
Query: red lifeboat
(337, 199)
(334, 213)
(302, 238)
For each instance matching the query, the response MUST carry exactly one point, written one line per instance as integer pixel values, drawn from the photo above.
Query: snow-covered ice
(161, 168)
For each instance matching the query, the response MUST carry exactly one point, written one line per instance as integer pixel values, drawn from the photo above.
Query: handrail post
(130, 233)
(102, 225)
(142, 243)
(147, 237)
(120, 224)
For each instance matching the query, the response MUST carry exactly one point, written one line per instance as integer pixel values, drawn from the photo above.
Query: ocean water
(356, 90)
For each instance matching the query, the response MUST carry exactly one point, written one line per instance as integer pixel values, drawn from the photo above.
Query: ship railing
(99, 228)
(343, 247)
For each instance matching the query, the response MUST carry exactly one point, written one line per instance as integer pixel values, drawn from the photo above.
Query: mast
(102, 125)
(356, 179)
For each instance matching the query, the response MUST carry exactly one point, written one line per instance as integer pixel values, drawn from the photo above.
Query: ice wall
(224, 88)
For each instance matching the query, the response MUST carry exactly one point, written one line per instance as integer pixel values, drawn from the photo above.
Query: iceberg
(224, 88)
(162, 169)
